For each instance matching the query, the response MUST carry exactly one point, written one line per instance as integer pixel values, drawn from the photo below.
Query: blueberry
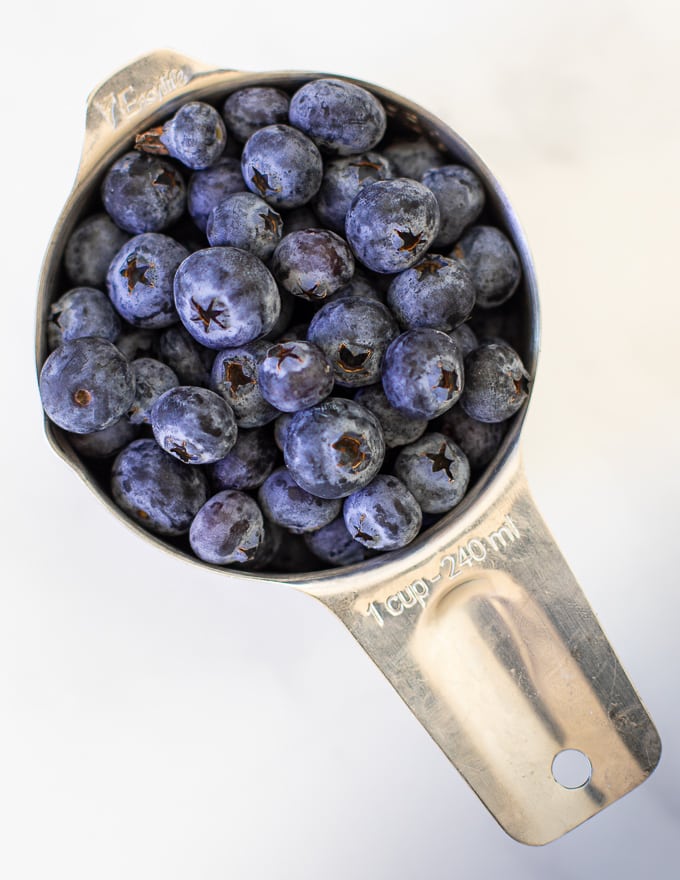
(189, 360)
(478, 440)
(207, 188)
(247, 110)
(412, 158)
(492, 262)
(391, 224)
(195, 136)
(228, 528)
(460, 196)
(269, 548)
(342, 180)
(312, 263)
(496, 383)
(86, 385)
(226, 297)
(152, 378)
(90, 248)
(437, 292)
(334, 544)
(83, 311)
(466, 339)
(245, 221)
(143, 193)
(295, 375)
(384, 515)
(435, 470)
(234, 377)
(194, 424)
(140, 279)
(282, 165)
(354, 334)
(339, 116)
(423, 373)
(398, 429)
(157, 491)
(248, 463)
(288, 505)
(334, 448)
(104, 443)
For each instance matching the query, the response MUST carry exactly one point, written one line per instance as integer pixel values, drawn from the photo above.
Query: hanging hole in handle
(571, 769)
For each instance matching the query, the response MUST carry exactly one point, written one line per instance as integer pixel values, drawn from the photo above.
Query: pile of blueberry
(283, 338)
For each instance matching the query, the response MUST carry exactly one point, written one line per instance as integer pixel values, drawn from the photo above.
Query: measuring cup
(479, 625)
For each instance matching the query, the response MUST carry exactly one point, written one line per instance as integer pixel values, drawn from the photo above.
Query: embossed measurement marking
(468, 553)
(116, 106)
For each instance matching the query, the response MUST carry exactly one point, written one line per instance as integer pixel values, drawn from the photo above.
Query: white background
(159, 721)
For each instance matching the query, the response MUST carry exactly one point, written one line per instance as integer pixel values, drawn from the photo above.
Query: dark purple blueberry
(194, 424)
(152, 378)
(384, 515)
(437, 292)
(338, 116)
(466, 339)
(227, 529)
(90, 248)
(282, 165)
(413, 158)
(478, 440)
(334, 544)
(83, 311)
(295, 375)
(342, 180)
(354, 334)
(134, 343)
(460, 196)
(195, 136)
(234, 377)
(435, 470)
(102, 444)
(207, 188)
(284, 502)
(391, 224)
(247, 110)
(334, 448)
(496, 383)
(492, 262)
(143, 193)
(248, 463)
(245, 221)
(140, 279)
(423, 373)
(312, 263)
(398, 429)
(226, 297)
(189, 360)
(155, 490)
(86, 385)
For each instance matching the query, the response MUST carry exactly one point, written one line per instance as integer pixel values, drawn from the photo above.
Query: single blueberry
(312, 263)
(234, 377)
(496, 383)
(83, 311)
(104, 443)
(143, 193)
(423, 373)
(284, 502)
(152, 378)
(466, 339)
(247, 110)
(226, 297)
(86, 385)
(398, 429)
(245, 221)
(195, 136)
(460, 196)
(437, 292)
(228, 529)
(295, 375)
(492, 262)
(339, 116)
(207, 188)
(140, 279)
(282, 165)
(435, 470)
(391, 224)
(248, 463)
(384, 515)
(90, 248)
(156, 490)
(412, 158)
(193, 424)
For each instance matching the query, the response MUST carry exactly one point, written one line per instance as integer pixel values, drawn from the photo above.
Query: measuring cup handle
(490, 641)
(128, 99)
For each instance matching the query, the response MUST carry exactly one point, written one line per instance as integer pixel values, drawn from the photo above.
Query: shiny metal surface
(479, 625)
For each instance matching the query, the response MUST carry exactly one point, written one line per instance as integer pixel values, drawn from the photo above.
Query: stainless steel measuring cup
(479, 625)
